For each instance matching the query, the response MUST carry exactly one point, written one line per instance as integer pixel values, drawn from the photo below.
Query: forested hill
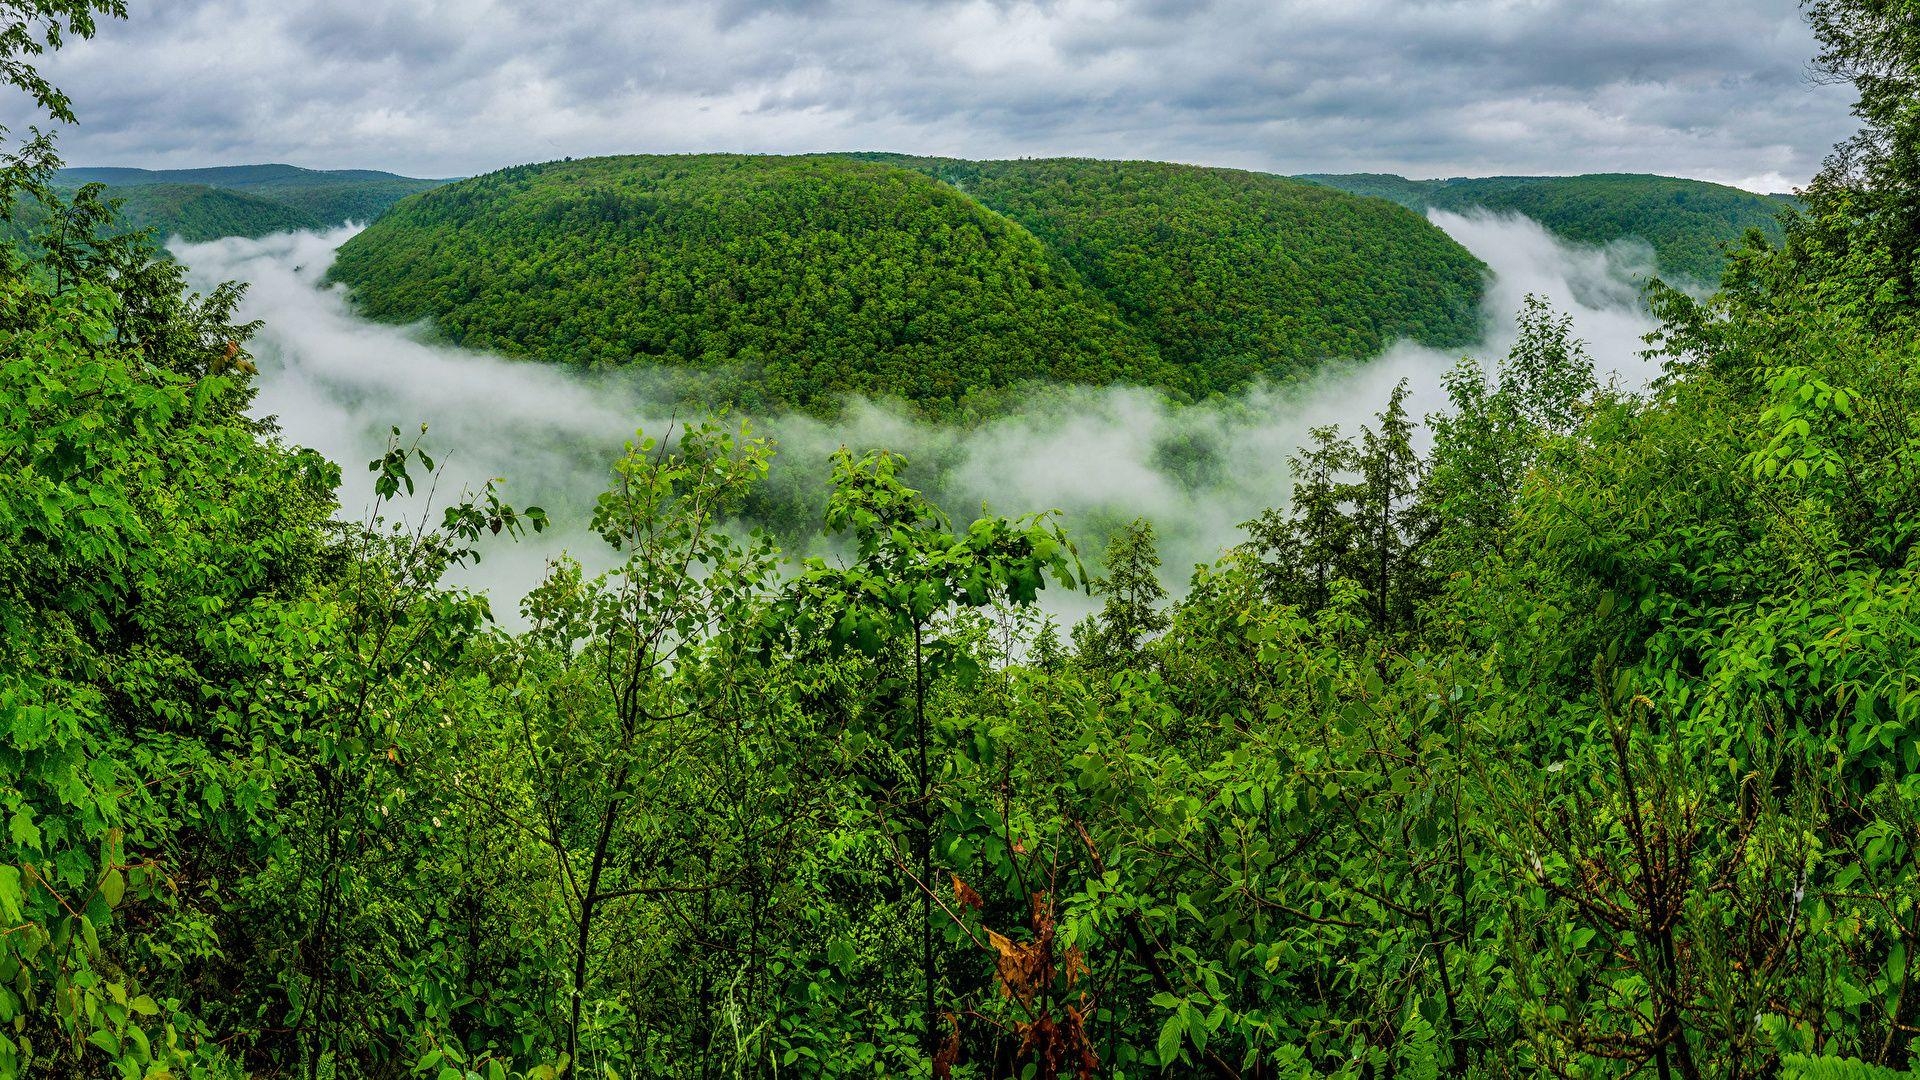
(193, 212)
(313, 197)
(1234, 274)
(1688, 223)
(805, 278)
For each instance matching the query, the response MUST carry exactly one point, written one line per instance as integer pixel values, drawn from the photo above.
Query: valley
(642, 590)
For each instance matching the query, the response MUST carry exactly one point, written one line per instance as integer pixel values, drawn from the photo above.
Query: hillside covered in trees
(1585, 743)
(193, 212)
(1690, 224)
(807, 278)
(1234, 274)
(243, 200)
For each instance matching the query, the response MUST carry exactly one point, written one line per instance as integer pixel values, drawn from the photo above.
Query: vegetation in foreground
(1584, 745)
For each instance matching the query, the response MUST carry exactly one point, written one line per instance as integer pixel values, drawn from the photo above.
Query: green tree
(621, 701)
(1131, 614)
(911, 572)
(1382, 554)
(1303, 549)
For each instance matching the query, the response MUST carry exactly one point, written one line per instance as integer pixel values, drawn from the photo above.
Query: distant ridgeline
(242, 200)
(1688, 223)
(796, 280)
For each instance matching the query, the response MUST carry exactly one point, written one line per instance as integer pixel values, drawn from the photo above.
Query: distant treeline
(1688, 223)
(198, 205)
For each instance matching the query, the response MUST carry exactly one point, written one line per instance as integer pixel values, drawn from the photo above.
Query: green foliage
(1689, 223)
(327, 197)
(1237, 275)
(1802, 1067)
(1131, 613)
(1586, 744)
(799, 280)
(192, 213)
(792, 280)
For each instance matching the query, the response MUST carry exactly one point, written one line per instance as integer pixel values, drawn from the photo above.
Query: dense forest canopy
(1690, 224)
(1585, 743)
(808, 278)
(1235, 275)
(193, 212)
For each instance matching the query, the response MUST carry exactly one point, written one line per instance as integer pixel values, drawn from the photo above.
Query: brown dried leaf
(949, 1052)
(1022, 966)
(1075, 1033)
(1075, 966)
(1043, 917)
(964, 895)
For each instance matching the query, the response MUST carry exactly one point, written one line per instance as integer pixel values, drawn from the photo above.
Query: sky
(1713, 89)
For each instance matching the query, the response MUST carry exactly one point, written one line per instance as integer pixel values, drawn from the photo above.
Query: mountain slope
(1236, 275)
(193, 212)
(197, 213)
(792, 280)
(811, 277)
(1687, 222)
(328, 196)
(228, 176)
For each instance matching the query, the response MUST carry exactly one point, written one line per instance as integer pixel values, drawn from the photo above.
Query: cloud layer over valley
(339, 383)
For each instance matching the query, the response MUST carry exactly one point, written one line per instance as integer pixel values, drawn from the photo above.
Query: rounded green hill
(799, 280)
(1235, 275)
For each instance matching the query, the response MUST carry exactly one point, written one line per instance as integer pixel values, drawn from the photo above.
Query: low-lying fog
(338, 383)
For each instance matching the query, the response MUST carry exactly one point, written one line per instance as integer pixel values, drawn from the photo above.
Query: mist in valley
(1102, 457)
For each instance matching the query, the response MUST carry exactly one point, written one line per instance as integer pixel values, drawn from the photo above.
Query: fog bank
(339, 383)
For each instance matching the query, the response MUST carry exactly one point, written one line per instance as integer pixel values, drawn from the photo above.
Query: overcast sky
(1715, 89)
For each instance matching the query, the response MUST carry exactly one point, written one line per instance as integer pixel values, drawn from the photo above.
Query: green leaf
(113, 887)
(841, 954)
(10, 893)
(1169, 1042)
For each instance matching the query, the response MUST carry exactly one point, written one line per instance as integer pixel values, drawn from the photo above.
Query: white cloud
(339, 383)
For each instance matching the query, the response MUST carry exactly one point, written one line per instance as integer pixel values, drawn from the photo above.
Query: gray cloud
(1709, 88)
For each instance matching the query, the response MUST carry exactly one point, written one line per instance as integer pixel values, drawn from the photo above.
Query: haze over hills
(244, 200)
(1688, 223)
(802, 279)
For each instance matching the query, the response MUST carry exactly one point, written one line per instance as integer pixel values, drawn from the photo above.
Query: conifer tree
(1302, 549)
(1132, 613)
(1383, 513)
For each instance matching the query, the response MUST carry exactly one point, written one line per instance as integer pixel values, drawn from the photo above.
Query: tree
(1381, 558)
(910, 571)
(1302, 549)
(1131, 613)
(1485, 442)
(615, 699)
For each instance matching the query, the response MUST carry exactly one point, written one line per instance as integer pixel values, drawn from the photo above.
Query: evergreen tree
(1484, 442)
(1384, 514)
(1131, 614)
(1302, 549)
